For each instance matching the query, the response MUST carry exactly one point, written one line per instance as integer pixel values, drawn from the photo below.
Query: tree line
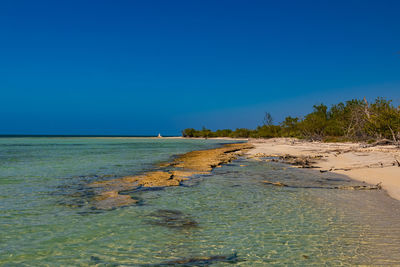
(353, 120)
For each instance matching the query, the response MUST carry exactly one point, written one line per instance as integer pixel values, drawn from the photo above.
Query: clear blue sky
(143, 67)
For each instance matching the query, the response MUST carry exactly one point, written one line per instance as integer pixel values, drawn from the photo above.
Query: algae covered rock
(107, 193)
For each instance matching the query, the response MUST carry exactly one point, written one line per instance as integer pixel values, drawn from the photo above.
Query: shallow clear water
(45, 219)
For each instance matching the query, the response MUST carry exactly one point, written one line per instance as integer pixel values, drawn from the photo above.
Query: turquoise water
(45, 219)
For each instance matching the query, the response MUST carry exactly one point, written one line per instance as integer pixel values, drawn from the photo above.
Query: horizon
(75, 135)
(96, 68)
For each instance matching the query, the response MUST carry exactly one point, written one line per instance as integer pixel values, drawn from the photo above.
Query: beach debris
(396, 161)
(344, 187)
(361, 187)
(202, 261)
(343, 169)
(172, 219)
(300, 161)
(382, 142)
(258, 155)
(322, 171)
(274, 183)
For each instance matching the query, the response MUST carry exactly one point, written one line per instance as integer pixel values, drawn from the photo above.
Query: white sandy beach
(372, 165)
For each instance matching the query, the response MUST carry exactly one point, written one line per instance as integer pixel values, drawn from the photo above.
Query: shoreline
(109, 194)
(377, 165)
(372, 165)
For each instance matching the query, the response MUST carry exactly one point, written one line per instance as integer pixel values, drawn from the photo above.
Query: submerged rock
(201, 261)
(172, 219)
(111, 199)
(195, 261)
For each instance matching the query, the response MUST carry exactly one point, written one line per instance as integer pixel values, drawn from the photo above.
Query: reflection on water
(224, 219)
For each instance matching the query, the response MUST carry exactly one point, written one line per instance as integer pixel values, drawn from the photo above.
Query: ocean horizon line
(77, 135)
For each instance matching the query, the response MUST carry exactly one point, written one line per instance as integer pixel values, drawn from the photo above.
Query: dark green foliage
(354, 120)
(189, 132)
(383, 120)
(267, 131)
(290, 127)
(241, 133)
(223, 133)
(314, 125)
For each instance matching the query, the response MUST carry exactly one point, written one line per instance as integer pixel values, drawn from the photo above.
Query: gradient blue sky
(143, 67)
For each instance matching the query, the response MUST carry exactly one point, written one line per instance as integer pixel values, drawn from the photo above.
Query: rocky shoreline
(358, 162)
(378, 166)
(109, 194)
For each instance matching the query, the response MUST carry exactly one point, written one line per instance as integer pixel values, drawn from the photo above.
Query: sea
(226, 218)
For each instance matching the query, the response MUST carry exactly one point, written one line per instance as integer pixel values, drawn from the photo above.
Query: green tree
(189, 132)
(290, 127)
(241, 133)
(313, 125)
(384, 120)
(223, 133)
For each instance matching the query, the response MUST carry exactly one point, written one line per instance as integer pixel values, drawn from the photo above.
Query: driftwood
(343, 169)
(382, 142)
(396, 161)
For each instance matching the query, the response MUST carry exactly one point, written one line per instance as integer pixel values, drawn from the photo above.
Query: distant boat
(159, 135)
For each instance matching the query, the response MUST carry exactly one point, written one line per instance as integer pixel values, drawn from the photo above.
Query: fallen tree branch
(382, 142)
